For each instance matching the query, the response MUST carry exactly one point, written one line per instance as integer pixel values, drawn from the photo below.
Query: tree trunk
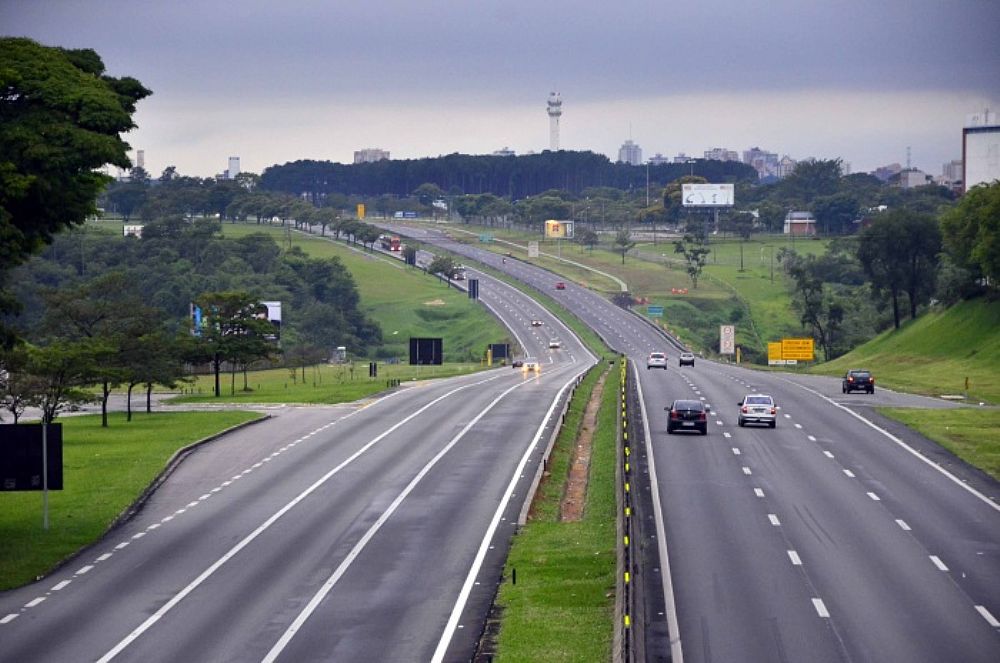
(149, 397)
(128, 402)
(895, 307)
(217, 365)
(105, 393)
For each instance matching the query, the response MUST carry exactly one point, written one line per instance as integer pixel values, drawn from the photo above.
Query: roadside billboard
(799, 349)
(708, 195)
(727, 339)
(361, 210)
(558, 229)
(533, 249)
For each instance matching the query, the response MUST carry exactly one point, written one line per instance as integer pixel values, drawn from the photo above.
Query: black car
(858, 379)
(687, 415)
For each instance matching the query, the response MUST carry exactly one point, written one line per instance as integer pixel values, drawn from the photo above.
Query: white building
(234, 168)
(722, 154)
(505, 152)
(980, 150)
(370, 155)
(912, 177)
(764, 162)
(658, 160)
(800, 224)
(630, 153)
(554, 109)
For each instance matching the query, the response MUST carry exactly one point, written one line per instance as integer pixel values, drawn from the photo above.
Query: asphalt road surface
(836, 536)
(367, 532)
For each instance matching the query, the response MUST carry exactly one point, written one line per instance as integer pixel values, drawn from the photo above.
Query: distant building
(505, 152)
(234, 168)
(370, 155)
(785, 167)
(682, 158)
(951, 172)
(658, 160)
(764, 162)
(554, 109)
(980, 150)
(910, 178)
(630, 153)
(800, 224)
(722, 154)
(886, 173)
(140, 159)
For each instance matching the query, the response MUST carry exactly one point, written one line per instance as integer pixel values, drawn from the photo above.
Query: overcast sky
(273, 82)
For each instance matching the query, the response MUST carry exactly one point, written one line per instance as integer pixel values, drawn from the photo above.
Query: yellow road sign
(800, 349)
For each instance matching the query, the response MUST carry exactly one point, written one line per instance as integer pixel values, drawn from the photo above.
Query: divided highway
(828, 538)
(370, 532)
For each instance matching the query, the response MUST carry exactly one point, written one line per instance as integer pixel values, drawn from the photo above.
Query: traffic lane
(394, 602)
(739, 596)
(855, 497)
(202, 528)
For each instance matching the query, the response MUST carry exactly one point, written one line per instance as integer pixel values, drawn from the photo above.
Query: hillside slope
(936, 353)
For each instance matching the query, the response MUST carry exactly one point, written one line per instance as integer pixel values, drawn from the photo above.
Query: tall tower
(554, 110)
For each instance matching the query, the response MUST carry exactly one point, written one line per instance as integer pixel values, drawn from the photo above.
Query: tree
(60, 371)
(623, 242)
(61, 119)
(444, 266)
(232, 330)
(835, 214)
(695, 254)
(819, 310)
(898, 252)
(586, 237)
(972, 233)
(18, 388)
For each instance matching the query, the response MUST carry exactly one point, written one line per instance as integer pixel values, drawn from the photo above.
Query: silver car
(758, 409)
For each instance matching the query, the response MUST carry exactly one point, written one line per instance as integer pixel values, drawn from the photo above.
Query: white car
(685, 358)
(656, 360)
(530, 365)
(758, 409)
(555, 343)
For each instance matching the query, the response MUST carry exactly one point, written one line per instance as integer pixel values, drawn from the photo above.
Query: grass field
(561, 608)
(104, 470)
(322, 383)
(970, 434)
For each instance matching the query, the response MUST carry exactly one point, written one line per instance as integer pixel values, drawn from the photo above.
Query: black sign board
(473, 288)
(500, 350)
(21, 457)
(425, 351)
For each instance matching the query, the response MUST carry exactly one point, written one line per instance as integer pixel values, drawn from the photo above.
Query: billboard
(708, 195)
(727, 339)
(532, 249)
(558, 229)
(132, 231)
(424, 351)
(361, 210)
(21, 460)
(799, 349)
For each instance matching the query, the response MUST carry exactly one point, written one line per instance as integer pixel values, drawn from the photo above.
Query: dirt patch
(435, 302)
(575, 497)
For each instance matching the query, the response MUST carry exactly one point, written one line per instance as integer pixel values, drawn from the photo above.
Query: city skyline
(857, 82)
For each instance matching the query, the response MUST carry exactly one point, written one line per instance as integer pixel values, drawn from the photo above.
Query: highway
(828, 538)
(374, 531)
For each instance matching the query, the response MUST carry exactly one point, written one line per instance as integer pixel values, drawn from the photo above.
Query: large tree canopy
(60, 120)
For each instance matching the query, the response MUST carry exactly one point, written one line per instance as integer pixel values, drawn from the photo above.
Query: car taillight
(743, 409)
(873, 379)
(674, 414)
(702, 417)
(850, 379)
(773, 411)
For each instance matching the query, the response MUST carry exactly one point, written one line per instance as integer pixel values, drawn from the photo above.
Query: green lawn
(970, 434)
(104, 470)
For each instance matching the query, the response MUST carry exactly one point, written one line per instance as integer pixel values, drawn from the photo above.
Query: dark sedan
(687, 415)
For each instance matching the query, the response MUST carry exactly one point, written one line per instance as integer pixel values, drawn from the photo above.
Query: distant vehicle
(656, 360)
(687, 415)
(685, 359)
(459, 273)
(858, 379)
(404, 215)
(390, 242)
(555, 343)
(759, 409)
(530, 365)
(560, 285)
(536, 323)
(517, 363)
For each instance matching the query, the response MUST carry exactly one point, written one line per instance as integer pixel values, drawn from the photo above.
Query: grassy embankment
(104, 469)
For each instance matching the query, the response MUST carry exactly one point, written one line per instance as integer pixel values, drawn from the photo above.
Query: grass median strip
(561, 606)
(104, 469)
(970, 434)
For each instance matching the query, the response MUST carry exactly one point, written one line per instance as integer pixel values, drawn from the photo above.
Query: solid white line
(794, 556)
(9, 618)
(903, 525)
(916, 454)
(484, 547)
(821, 608)
(986, 614)
(56, 588)
(673, 625)
(774, 519)
(207, 573)
(758, 492)
(938, 563)
(32, 603)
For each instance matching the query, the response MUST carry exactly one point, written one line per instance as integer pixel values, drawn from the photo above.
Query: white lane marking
(191, 505)
(875, 497)
(821, 608)
(849, 473)
(903, 525)
(788, 416)
(676, 649)
(986, 614)
(138, 535)
(727, 434)
(916, 454)
(758, 492)
(104, 557)
(794, 556)
(84, 569)
(153, 526)
(216, 489)
(56, 588)
(121, 545)
(166, 519)
(938, 563)
(9, 618)
(746, 470)
(736, 451)
(828, 454)
(232, 552)
(798, 425)
(774, 519)
(33, 602)
(719, 421)
(812, 438)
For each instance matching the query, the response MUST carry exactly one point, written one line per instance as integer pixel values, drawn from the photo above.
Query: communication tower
(554, 110)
